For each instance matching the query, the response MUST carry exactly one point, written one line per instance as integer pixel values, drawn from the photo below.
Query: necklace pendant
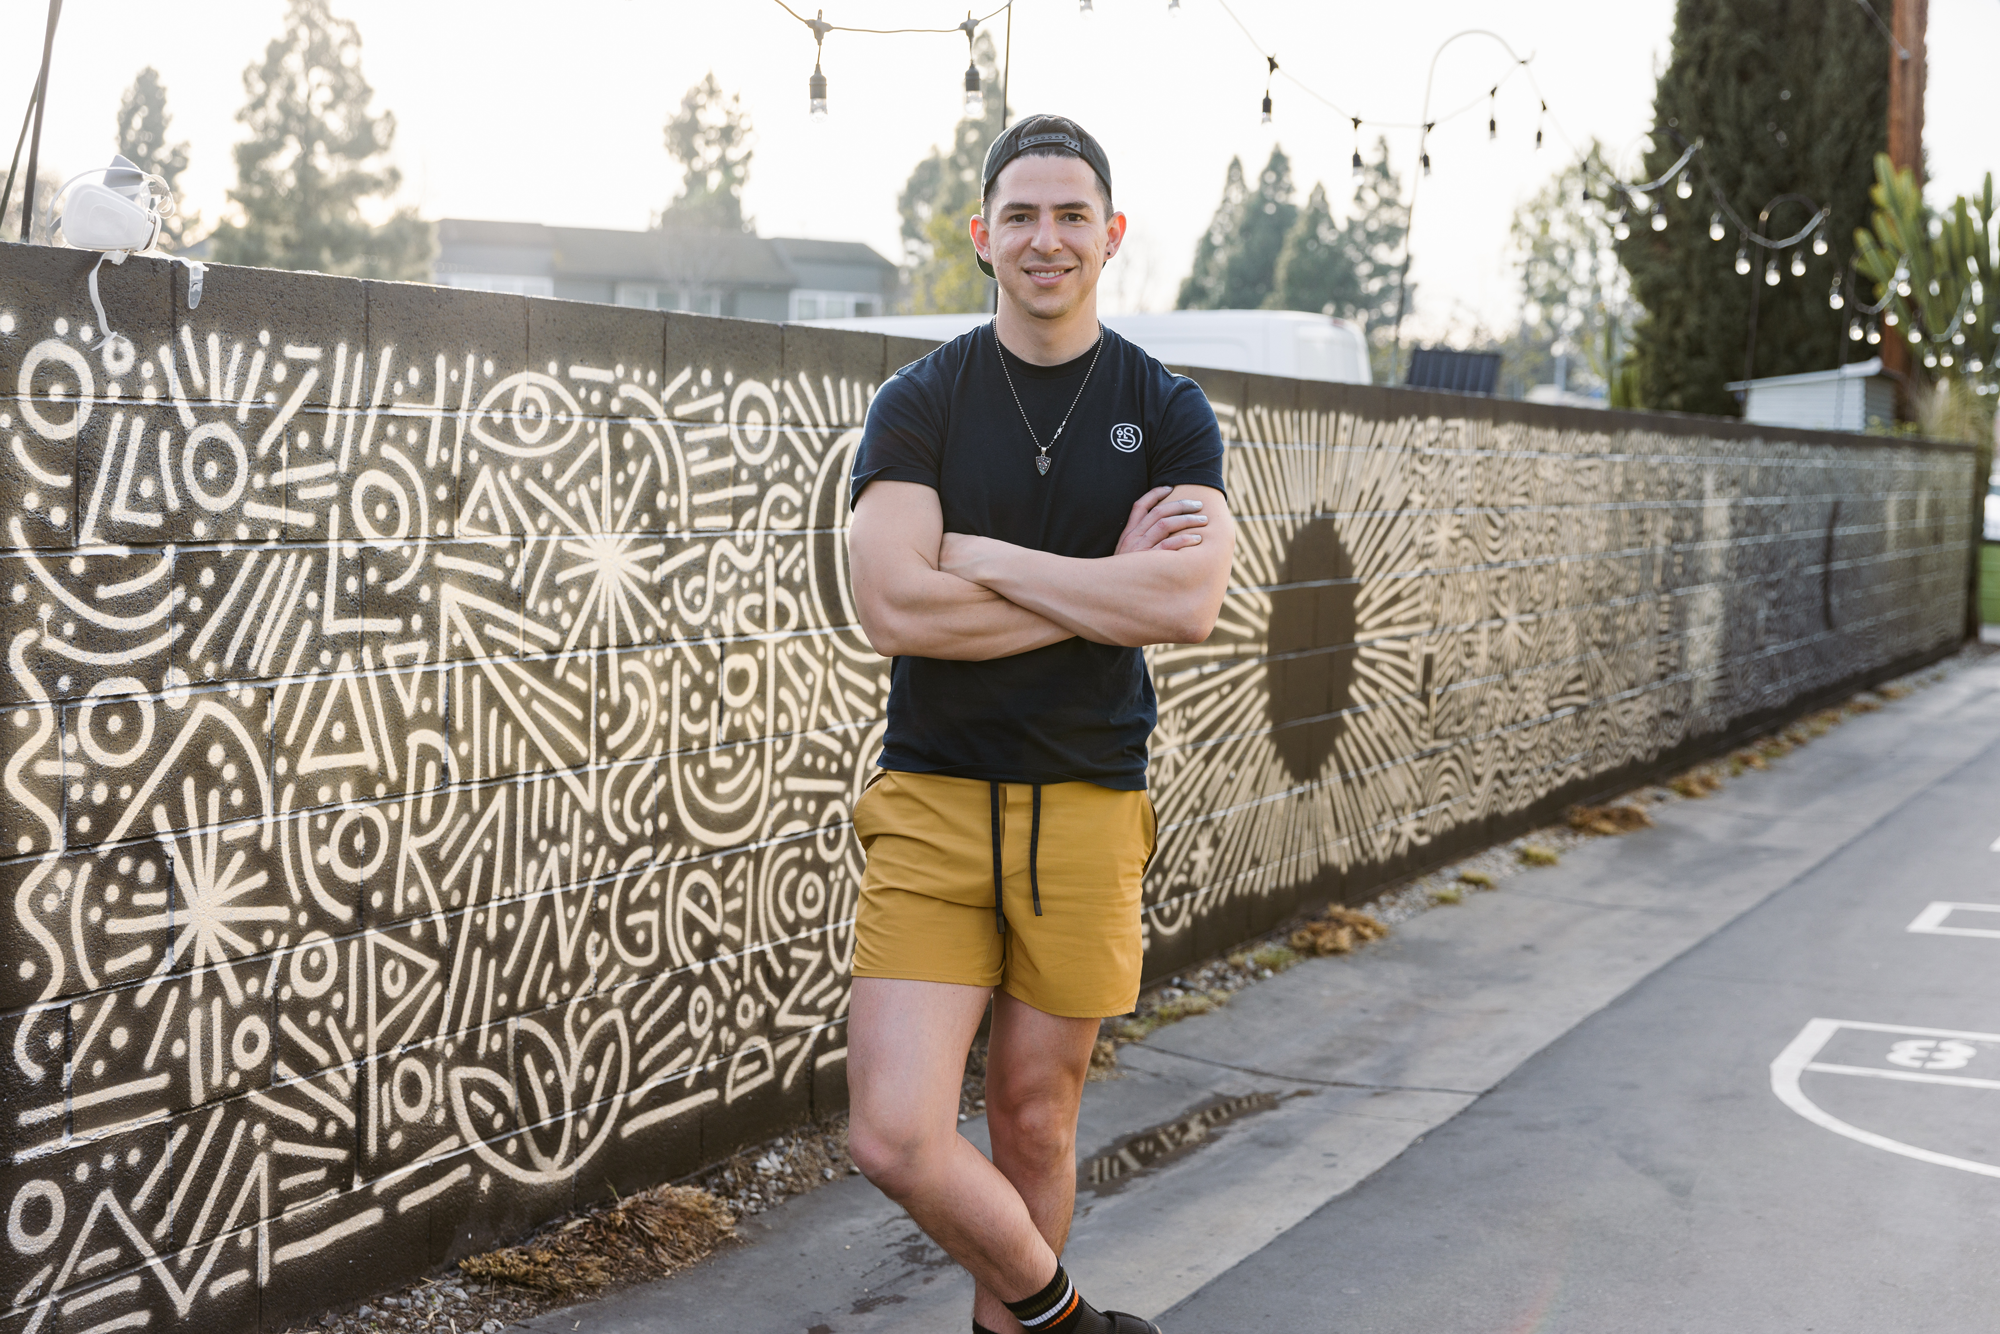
(1042, 462)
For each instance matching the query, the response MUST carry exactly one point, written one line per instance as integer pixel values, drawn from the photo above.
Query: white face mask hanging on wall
(120, 215)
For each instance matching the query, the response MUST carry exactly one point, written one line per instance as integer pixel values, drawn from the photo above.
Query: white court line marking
(1930, 922)
(1797, 1058)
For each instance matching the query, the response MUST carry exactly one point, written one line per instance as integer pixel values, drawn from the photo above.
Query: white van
(1292, 343)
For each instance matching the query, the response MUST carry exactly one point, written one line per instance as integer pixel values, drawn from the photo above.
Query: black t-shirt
(1073, 710)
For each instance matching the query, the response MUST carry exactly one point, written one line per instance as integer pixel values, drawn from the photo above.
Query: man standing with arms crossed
(1032, 503)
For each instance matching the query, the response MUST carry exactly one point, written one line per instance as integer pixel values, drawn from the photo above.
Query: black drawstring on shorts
(1034, 848)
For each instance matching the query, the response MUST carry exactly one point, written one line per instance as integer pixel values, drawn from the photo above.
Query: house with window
(671, 268)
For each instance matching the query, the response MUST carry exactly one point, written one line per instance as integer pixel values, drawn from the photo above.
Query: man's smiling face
(1046, 233)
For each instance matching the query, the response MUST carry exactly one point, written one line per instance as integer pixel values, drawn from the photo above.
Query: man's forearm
(943, 616)
(1145, 597)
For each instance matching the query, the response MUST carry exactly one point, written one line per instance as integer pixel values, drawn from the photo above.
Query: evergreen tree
(1786, 96)
(1347, 269)
(142, 138)
(710, 137)
(1236, 261)
(1202, 289)
(314, 154)
(939, 198)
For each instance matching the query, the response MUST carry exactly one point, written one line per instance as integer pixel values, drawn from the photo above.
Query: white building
(1847, 399)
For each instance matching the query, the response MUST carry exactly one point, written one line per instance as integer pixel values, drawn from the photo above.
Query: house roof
(1854, 370)
(672, 254)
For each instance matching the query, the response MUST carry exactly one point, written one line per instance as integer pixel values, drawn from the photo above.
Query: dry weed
(1103, 1061)
(1477, 879)
(652, 1233)
(1446, 895)
(1338, 932)
(1621, 818)
(1534, 854)
(1697, 783)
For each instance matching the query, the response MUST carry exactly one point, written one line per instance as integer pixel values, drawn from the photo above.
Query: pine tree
(314, 154)
(142, 138)
(1347, 269)
(1787, 96)
(939, 198)
(1202, 289)
(710, 137)
(1236, 261)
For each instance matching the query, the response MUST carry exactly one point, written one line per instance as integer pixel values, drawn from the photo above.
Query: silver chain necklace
(1042, 459)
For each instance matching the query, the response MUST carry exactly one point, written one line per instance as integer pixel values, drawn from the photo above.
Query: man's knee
(1036, 1123)
(893, 1154)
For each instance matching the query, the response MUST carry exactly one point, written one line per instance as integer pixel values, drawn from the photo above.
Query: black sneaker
(1125, 1323)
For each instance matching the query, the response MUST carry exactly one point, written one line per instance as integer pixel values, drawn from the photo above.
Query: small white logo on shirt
(1125, 437)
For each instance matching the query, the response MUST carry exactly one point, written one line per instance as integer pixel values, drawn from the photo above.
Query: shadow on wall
(431, 720)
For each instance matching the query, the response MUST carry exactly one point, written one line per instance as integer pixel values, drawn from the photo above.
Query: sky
(553, 112)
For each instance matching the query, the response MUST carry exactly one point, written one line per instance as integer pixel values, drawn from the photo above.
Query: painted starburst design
(211, 909)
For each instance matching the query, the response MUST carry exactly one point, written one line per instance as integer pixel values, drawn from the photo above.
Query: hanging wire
(818, 25)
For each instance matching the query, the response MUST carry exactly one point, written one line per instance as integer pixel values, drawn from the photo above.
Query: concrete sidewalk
(1355, 1058)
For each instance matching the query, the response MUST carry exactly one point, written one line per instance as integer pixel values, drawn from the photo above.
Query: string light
(1492, 113)
(1715, 232)
(1659, 222)
(1834, 298)
(1538, 123)
(1770, 273)
(1084, 9)
(816, 85)
(1424, 148)
(1173, 9)
(1798, 264)
(975, 100)
(1357, 146)
(1874, 334)
(1619, 227)
(1889, 318)
(1819, 241)
(1273, 62)
(1854, 334)
(1743, 258)
(1684, 187)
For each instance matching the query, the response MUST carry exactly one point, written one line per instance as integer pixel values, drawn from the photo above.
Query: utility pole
(1906, 143)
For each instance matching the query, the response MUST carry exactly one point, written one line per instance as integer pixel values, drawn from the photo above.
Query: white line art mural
(432, 719)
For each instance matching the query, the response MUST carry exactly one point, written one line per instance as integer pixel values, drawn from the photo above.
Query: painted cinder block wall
(431, 719)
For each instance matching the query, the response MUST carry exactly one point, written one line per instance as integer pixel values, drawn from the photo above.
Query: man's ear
(982, 236)
(1114, 234)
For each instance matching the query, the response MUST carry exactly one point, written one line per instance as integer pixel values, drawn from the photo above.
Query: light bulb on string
(1267, 108)
(975, 100)
(1854, 334)
(1834, 298)
(1272, 62)
(1930, 360)
(1819, 240)
(1684, 187)
(1173, 9)
(1975, 366)
(1945, 360)
(1743, 259)
(1538, 123)
(1621, 228)
(1798, 264)
(1874, 334)
(1715, 231)
(1424, 147)
(1084, 9)
(1640, 200)
(1770, 273)
(816, 85)
(1659, 220)
(1958, 339)
(1916, 335)
(1492, 113)
(1357, 146)
(1902, 287)
(1889, 318)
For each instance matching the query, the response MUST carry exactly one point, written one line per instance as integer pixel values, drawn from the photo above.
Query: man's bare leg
(1035, 1069)
(906, 1046)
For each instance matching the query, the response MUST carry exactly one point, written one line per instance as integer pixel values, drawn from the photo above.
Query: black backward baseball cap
(1044, 134)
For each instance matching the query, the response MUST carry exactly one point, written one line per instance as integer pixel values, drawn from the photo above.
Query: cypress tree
(1348, 268)
(142, 138)
(941, 195)
(1236, 260)
(1787, 96)
(710, 137)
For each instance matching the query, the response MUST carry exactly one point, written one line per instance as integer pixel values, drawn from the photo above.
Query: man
(1033, 502)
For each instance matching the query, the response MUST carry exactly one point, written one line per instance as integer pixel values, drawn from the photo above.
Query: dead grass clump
(652, 1233)
(1103, 1060)
(1535, 854)
(1338, 932)
(1275, 958)
(1622, 818)
(1744, 760)
(1697, 783)
(1449, 894)
(1477, 879)
(1892, 691)
(1863, 704)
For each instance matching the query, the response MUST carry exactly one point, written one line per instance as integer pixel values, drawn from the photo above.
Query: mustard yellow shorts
(1068, 888)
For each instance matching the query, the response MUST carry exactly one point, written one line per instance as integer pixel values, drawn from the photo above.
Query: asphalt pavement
(1703, 1077)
